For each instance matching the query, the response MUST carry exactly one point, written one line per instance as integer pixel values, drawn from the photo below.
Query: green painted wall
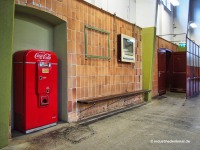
(181, 49)
(6, 40)
(148, 48)
(32, 32)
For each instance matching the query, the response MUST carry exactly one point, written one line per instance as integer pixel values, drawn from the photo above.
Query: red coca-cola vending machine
(35, 90)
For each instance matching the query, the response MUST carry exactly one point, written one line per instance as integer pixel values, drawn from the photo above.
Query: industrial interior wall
(125, 9)
(193, 69)
(94, 77)
(160, 43)
(165, 22)
(194, 17)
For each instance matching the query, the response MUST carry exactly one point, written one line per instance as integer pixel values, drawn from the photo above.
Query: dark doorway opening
(171, 71)
(178, 72)
(164, 70)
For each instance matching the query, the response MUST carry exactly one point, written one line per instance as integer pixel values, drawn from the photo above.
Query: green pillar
(6, 41)
(148, 48)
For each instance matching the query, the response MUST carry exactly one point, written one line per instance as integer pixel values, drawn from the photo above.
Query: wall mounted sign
(126, 48)
(182, 44)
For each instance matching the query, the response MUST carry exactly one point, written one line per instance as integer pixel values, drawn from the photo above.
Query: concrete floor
(169, 122)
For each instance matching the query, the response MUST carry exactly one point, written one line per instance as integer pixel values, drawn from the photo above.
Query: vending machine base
(40, 128)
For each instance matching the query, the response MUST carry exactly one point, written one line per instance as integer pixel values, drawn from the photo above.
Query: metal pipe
(173, 34)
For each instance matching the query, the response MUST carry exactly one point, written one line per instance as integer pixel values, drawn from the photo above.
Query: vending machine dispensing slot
(44, 100)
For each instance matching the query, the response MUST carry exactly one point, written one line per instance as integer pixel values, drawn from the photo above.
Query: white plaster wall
(124, 9)
(139, 12)
(164, 22)
(195, 17)
(146, 13)
(173, 22)
(181, 20)
(143, 14)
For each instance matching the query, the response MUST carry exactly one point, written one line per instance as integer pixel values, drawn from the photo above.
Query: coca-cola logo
(42, 55)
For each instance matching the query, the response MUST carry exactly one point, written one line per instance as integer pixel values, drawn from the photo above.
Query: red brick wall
(94, 77)
(160, 43)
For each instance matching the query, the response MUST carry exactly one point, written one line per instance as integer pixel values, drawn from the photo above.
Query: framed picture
(126, 48)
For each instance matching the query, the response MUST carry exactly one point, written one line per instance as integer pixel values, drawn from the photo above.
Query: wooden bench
(119, 96)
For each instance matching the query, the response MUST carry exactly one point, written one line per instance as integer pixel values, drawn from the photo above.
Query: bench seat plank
(104, 98)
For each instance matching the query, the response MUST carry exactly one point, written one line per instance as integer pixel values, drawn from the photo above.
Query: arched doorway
(36, 29)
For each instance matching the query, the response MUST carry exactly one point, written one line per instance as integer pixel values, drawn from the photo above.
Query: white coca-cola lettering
(42, 55)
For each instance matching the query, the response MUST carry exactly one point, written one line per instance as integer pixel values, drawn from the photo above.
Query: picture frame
(126, 48)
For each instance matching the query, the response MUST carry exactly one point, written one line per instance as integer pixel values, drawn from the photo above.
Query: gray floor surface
(169, 122)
